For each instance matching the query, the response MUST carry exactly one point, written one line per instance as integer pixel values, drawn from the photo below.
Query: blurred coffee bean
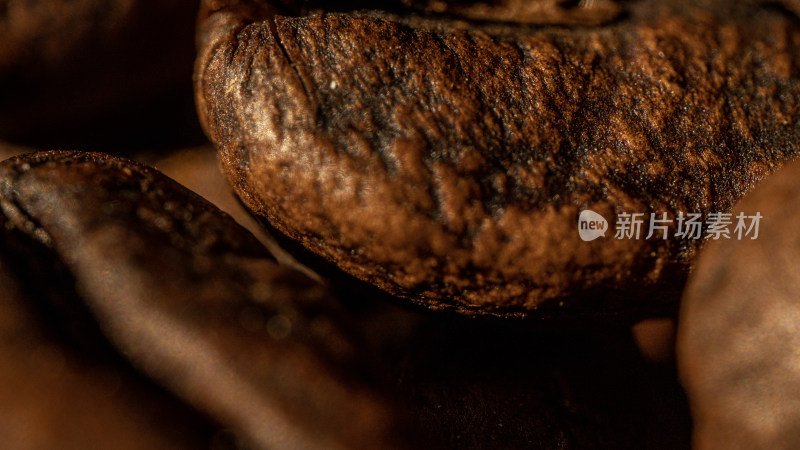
(656, 339)
(448, 161)
(528, 12)
(52, 396)
(92, 73)
(196, 303)
(739, 328)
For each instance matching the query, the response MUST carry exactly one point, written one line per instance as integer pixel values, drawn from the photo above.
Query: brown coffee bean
(656, 339)
(738, 334)
(529, 12)
(534, 12)
(53, 396)
(196, 302)
(447, 161)
(80, 71)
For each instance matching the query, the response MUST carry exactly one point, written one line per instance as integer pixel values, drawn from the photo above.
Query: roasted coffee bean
(531, 12)
(447, 160)
(53, 396)
(195, 302)
(739, 328)
(534, 12)
(83, 71)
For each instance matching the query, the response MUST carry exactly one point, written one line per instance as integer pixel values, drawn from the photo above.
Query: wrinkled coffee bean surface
(447, 161)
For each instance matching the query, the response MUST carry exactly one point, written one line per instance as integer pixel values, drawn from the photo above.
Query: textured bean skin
(447, 161)
(738, 330)
(196, 303)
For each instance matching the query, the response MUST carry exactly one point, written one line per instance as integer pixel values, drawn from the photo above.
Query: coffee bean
(195, 302)
(81, 71)
(534, 12)
(738, 330)
(530, 12)
(53, 396)
(447, 161)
